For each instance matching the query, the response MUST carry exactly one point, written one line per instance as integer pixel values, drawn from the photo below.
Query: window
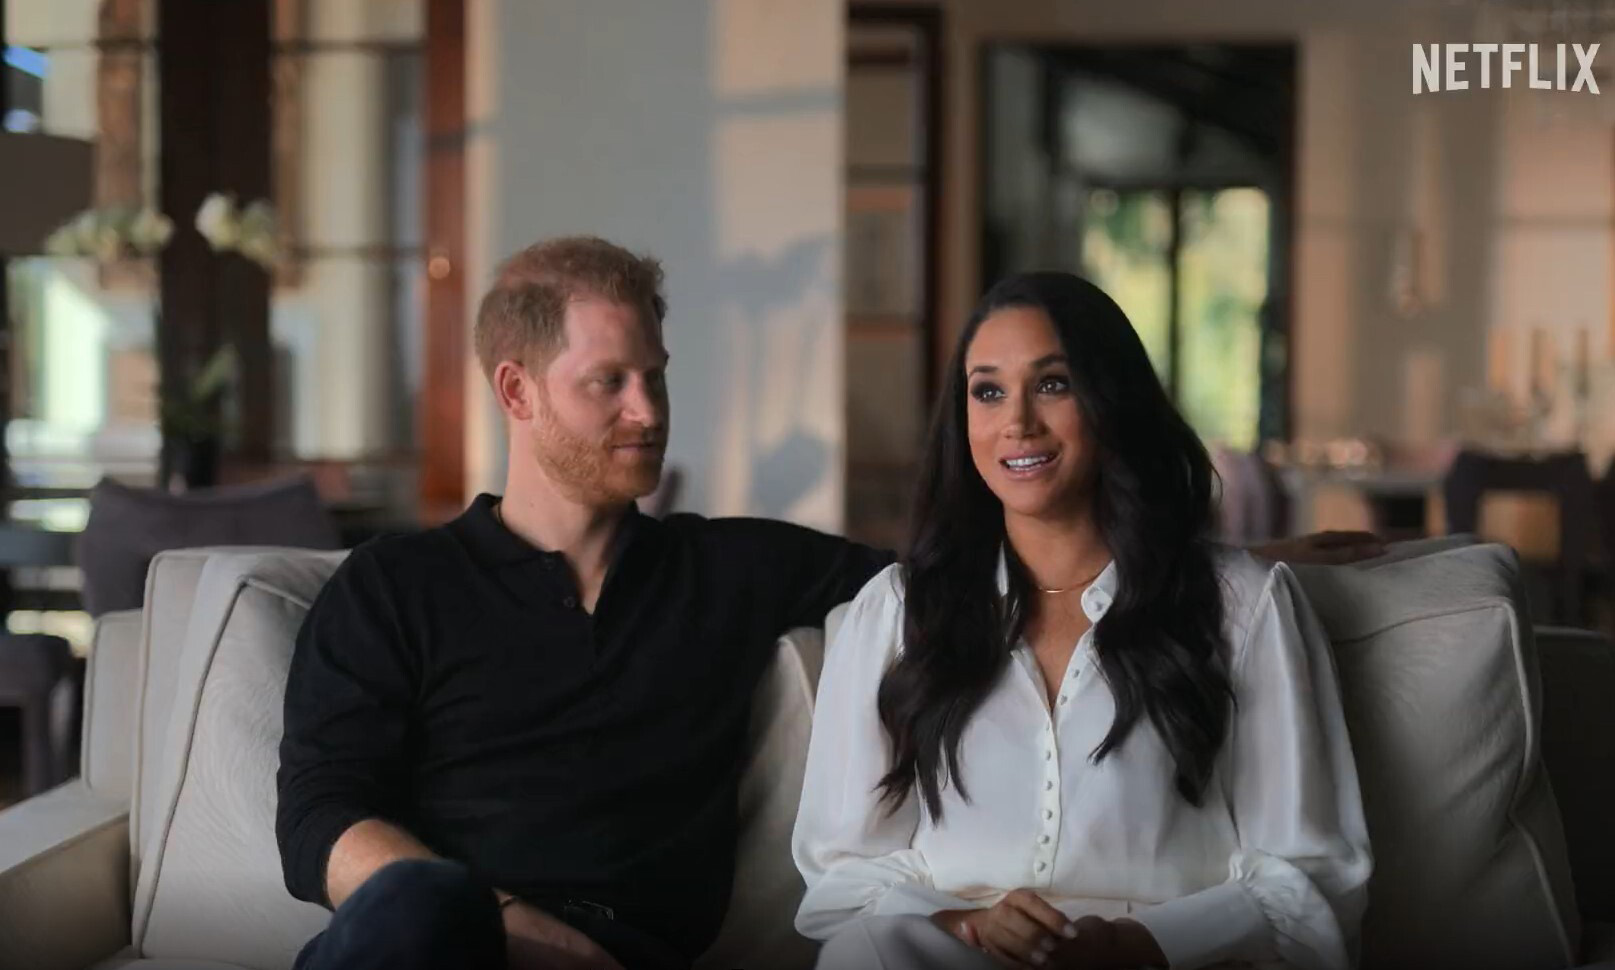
(346, 312)
(83, 371)
(889, 275)
(1163, 174)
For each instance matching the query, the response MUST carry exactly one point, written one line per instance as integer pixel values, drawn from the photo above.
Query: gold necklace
(1067, 589)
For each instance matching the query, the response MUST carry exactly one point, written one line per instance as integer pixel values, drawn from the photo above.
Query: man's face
(600, 414)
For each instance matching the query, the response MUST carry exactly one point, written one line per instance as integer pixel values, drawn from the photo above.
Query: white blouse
(1272, 869)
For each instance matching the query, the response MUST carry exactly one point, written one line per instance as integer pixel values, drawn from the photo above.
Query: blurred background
(243, 241)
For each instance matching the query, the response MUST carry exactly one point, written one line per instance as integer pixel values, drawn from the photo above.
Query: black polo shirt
(450, 682)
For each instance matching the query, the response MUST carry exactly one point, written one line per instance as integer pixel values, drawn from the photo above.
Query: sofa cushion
(128, 526)
(171, 587)
(1442, 700)
(759, 930)
(170, 595)
(211, 888)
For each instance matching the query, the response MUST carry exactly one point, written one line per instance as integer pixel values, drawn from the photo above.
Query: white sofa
(162, 854)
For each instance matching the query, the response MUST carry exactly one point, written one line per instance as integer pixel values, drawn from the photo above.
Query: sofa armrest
(107, 759)
(64, 880)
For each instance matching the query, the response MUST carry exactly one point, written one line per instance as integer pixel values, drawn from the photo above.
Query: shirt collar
(494, 545)
(1096, 599)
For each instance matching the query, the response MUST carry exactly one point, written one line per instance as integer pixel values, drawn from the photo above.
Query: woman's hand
(1102, 944)
(1020, 930)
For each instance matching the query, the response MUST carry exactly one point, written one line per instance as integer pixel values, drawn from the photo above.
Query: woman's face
(1027, 434)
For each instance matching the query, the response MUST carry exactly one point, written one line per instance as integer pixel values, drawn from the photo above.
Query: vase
(188, 463)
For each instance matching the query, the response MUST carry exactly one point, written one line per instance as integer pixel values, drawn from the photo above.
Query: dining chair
(1561, 475)
(1254, 506)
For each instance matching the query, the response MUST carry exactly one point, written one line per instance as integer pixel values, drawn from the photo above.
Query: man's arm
(803, 573)
(344, 761)
(364, 848)
(349, 697)
(533, 938)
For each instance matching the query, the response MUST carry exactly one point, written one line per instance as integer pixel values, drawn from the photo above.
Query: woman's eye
(1053, 385)
(986, 392)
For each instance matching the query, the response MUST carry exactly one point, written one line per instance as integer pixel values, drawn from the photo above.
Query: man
(551, 691)
(516, 739)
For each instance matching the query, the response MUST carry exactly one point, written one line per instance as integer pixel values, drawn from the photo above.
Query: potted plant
(191, 418)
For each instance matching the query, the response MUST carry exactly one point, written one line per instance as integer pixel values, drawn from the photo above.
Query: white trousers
(899, 943)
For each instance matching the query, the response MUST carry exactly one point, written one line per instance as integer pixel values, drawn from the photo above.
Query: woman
(1069, 731)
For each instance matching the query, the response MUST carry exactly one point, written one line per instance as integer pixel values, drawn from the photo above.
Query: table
(1398, 499)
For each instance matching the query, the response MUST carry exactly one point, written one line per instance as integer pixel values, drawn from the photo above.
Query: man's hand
(1323, 548)
(1020, 930)
(535, 940)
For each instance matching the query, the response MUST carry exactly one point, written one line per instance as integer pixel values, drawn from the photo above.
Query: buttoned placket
(1094, 604)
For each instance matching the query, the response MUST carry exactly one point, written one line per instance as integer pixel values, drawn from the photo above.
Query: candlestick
(1497, 360)
(1541, 363)
(1583, 361)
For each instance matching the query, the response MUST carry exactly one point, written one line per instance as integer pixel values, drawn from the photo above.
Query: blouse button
(1048, 755)
(1048, 813)
(1042, 840)
(1041, 866)
(1048, 786)
(1062, 698)
(570, 602)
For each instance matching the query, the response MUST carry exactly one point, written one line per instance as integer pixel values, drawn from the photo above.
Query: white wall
(707, 132)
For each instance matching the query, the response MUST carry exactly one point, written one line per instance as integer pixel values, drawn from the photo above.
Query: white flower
(150, 231)
(217, 221)
(87, 230)
(64, 241)
(258, 239)
(108, 243)
(262, 250)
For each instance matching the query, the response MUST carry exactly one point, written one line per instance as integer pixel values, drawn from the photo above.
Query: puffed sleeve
(856, 858)
(1297, 884)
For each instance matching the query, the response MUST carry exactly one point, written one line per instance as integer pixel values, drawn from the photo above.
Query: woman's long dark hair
(1160, 646)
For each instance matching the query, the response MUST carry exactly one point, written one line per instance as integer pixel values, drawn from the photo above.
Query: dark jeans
(433, 915)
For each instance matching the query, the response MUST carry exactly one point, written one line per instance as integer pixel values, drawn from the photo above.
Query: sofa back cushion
(211, 886)
(759, 929)
(1439, 679)
(128, 526)
(170, 594)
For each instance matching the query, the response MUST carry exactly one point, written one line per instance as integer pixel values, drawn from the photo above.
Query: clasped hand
(1022, 930)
